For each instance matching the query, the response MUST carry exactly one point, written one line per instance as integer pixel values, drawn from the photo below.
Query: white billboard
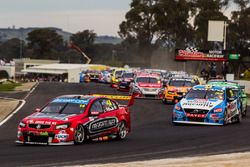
(215, 30)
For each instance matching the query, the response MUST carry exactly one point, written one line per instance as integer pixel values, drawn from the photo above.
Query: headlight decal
(22, 124)
(63, 126)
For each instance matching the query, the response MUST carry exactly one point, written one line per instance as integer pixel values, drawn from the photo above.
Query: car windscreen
(205, 94)
(177, 83)
(147, 80)
(128, 75)
(118, 74)
(189, 83)
(64, 108)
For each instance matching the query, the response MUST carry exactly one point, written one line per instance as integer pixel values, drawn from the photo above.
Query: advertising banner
(193, 54)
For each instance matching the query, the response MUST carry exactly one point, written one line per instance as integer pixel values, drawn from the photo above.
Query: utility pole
(225, 35)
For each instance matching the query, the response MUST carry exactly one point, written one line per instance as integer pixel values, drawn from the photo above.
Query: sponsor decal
(39, 123)
(191, 53)
(232, 107)
(62, 136)
(50, 116)
(78, 101)
(44, 134)
(196, 115)
(103, 124)
(199, 104)
(115, 97)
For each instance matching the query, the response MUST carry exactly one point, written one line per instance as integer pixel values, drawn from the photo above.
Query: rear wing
(118, 97)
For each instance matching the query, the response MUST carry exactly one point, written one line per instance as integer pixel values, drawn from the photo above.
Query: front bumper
(42, 143)
(173, 98)
(45, 137)
(197, 123)
(209, 118)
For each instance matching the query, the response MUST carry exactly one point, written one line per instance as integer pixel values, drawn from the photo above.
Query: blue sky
(102, 16)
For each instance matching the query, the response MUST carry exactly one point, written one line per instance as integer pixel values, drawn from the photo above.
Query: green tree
(151, 24)
(84, 38)
(141, 26)
(172, 18)
(44, 42)
(239, 38)
(12, 48)
(207, 10)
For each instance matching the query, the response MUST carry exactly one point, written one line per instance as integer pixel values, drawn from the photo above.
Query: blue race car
(208, 105)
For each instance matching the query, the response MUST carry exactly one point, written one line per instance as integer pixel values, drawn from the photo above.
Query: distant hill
(22, 33)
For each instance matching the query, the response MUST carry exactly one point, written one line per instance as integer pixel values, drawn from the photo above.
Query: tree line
(148, 26)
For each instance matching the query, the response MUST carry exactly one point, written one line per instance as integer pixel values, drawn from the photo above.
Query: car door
(103, 120)
(110, 110)
(232, 106)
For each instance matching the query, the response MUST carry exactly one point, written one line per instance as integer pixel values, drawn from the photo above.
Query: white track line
(14, 112)
(19, 107)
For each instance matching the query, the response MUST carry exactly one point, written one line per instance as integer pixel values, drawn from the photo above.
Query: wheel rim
(79, 134)
(122, 130)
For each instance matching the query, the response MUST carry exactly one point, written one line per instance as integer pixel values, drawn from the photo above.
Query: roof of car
(76, 96)
(224, 83)
(182, 78)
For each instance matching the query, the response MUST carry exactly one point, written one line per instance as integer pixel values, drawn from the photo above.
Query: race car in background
(208, 105)
(93, 74)
(105, 76)
(177, 88)
(146, 85)
(238, 91)
(74, 119)
(116, 75)
(125, 81)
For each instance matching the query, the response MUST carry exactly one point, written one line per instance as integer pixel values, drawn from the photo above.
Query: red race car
(74, 119)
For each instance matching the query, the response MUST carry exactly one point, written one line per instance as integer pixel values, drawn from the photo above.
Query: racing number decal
(103, 124)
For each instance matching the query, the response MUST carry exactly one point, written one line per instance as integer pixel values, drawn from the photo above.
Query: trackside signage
(193, 54)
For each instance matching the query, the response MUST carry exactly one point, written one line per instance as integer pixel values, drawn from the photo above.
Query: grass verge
(9, 86)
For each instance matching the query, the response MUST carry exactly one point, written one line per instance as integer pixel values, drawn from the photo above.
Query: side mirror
(37, 109)
(94, 113)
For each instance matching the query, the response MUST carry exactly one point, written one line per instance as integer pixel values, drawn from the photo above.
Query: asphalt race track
(152, 137)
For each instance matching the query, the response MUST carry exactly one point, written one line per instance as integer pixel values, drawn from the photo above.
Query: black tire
(225, 122)
(239, 117)
(164, 101)
(174, 123)
(79, 134)
(244, 113)
(122, 130)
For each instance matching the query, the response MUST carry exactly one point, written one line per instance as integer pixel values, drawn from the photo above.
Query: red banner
(195, 55)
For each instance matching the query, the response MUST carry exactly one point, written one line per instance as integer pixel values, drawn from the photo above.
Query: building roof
(58, 68)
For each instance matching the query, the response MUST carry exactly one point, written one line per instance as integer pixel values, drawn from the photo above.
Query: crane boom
(74, 46)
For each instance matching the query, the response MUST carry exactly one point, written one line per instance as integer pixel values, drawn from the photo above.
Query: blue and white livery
(208, 105)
